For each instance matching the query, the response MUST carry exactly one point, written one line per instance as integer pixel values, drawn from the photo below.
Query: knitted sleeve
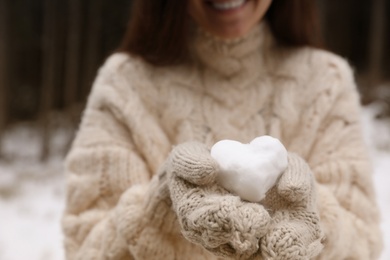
(107, 176)
(340, 162)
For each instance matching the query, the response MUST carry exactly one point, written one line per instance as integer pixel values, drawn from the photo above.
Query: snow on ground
(30, 212)
(377, 133)
(32, 193)
(382, 181)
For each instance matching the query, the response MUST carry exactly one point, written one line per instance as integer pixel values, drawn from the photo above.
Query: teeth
(228, 5)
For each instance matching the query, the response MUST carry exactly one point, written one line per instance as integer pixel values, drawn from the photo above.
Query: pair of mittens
(285, 225)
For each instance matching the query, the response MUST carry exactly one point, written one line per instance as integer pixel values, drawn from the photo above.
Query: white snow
(31, 197)
(377, 133)
(32, 193)
(250, 170)
(31, 205)
(382, 181)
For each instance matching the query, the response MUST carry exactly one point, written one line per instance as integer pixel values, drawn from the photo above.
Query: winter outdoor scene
(50, 52)
(32, 193)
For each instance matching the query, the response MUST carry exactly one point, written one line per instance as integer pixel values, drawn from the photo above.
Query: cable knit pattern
(118, 204)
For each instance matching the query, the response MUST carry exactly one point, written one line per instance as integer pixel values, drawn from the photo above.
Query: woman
(191, 73)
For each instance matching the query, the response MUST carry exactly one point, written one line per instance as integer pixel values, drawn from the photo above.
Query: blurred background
(50, 51)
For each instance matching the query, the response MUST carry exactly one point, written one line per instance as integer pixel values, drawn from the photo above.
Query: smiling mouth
(226, 6)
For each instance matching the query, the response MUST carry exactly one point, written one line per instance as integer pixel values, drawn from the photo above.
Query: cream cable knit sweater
(233, 90)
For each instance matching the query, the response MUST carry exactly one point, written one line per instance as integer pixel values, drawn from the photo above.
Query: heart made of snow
(250, 170)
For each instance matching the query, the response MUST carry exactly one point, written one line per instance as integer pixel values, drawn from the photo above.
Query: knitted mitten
(295, 231)
(208, 214)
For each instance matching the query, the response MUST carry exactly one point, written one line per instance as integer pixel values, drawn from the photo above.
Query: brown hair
(158, 30)
(295, 22)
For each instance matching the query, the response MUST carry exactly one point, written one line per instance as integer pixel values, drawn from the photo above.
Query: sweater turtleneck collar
(232, 57)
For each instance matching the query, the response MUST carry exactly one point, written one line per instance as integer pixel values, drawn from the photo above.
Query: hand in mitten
(295, 231)
(208, 214)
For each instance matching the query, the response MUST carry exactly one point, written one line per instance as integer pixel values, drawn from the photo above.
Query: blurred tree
(24, 58)
(73, 52)
(377, 49)
(386, 57)
(3, 64)
(93, 39)
(52, 65)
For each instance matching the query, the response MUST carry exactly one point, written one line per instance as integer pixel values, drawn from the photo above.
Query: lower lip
(228, 11)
